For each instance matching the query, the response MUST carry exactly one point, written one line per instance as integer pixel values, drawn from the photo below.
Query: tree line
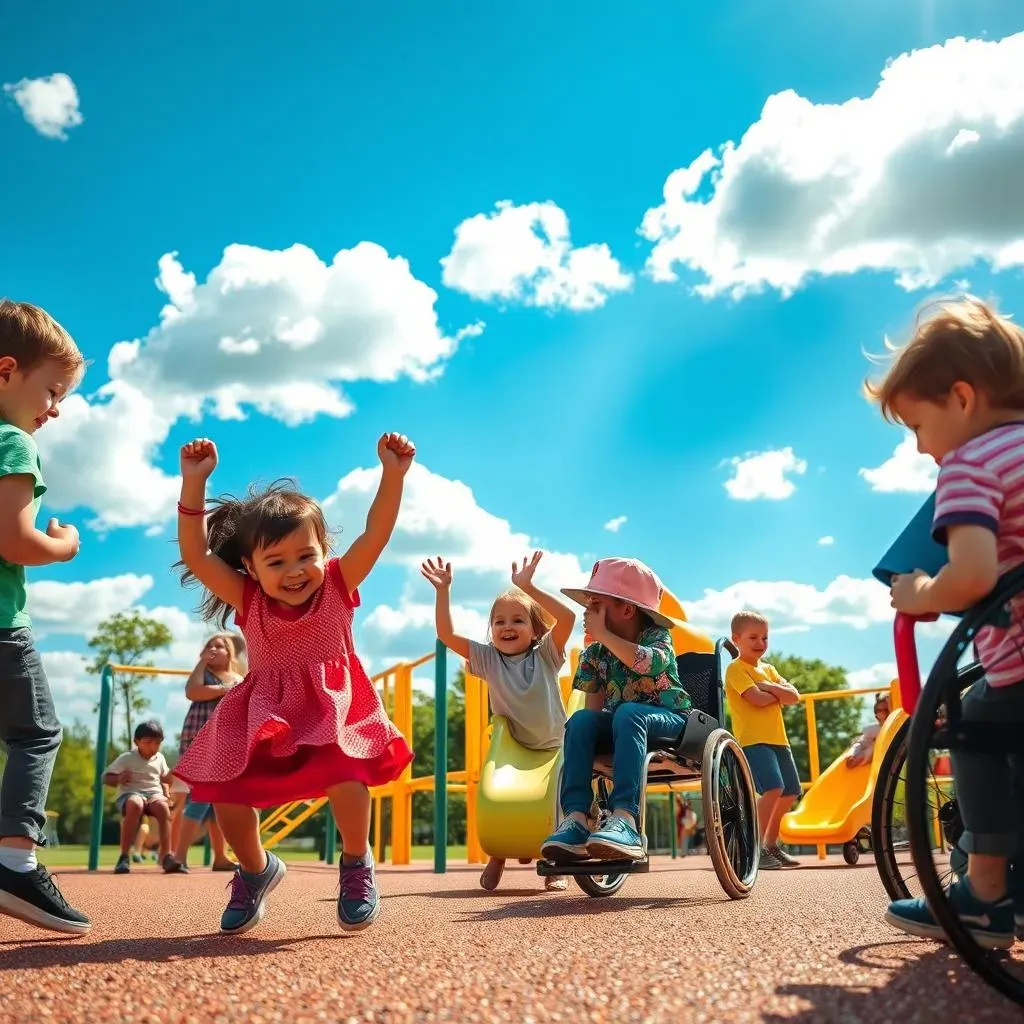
(132, 639)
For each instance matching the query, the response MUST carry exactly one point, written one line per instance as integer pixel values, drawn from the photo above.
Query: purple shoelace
(356, 882)
(242, 893)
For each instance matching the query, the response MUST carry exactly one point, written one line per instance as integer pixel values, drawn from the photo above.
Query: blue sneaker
(245, 909)
(358, 903)
(991, 924)
(616, 839)
(567, 843)
(1014, 883)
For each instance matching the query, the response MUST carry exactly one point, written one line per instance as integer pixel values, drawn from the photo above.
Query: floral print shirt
(653, 678)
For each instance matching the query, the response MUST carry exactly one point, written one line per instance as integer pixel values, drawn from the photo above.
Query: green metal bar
(440, 758)
(207, 849)
(102, 742)
(672, 822)
(330, 835)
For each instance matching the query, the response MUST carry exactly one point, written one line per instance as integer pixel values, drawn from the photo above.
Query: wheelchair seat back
(700, 677)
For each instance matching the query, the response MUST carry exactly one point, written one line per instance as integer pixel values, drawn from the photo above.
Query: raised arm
(563, 614)
(645, 659)
(198, 460)
(439, 574)
(197, 689)
(396, 453)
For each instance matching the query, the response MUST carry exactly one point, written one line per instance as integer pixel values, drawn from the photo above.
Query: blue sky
(631, 368)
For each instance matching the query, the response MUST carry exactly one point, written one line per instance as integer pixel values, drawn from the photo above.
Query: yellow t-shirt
(751, 724)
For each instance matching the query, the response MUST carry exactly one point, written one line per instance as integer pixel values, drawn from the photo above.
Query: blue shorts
(773, 767)
(197, 812)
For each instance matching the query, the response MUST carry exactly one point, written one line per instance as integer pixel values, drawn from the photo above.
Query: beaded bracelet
(191, 511)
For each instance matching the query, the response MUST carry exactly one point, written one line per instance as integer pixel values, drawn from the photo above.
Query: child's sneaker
(990, 924)
(245, 909)
(567, 843)
(556, 883)
(616, 839)
(782, 857)
(358, 903)
(123, 865)
(33, 896)
(768, 861)
(136, 857)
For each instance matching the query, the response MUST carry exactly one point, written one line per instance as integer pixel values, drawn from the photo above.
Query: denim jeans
(31, 733)
(625, 732)
(196, 811)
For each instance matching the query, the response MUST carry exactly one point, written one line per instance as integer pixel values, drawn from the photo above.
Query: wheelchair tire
(600, 885)
(943, 677)
(730, 814)
(883, 804)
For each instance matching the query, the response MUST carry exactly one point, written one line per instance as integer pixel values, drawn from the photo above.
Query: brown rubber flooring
(809, 945)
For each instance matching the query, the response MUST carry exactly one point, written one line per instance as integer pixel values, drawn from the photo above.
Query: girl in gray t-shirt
(527, 633)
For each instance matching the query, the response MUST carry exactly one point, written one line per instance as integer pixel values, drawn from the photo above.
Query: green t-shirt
(18, 454)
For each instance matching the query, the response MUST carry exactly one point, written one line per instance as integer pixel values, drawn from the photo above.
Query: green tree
(71, 786)
(838, 721)
(126, 639)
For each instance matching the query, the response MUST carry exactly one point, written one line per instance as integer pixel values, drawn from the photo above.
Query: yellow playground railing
(394, 685)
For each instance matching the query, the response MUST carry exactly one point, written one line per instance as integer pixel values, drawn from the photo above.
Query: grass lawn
(78, 856)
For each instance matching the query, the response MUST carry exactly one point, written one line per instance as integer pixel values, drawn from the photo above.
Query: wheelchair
(915, 807)
(706, 751)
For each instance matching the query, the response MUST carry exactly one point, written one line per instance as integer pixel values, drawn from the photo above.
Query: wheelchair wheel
(934, 728)
(730, 814)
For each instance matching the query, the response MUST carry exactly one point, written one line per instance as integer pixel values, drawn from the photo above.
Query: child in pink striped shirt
(959, 386)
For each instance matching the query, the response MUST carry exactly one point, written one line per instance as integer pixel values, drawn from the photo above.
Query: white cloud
(826, 542)
(282, 331)
(79, 607)
(49, 104)
(764, 475)
(880, 674)
(75, 691)
(614, 525)
(826, 188)
(389, 635)
(524, 254)
(906, 471)
(99, 455)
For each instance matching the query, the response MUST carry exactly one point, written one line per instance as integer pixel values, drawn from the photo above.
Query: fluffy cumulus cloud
(49, 104)
(880, 674)
(906, 471)
(764, 475)
(99, 455)
(826, 188)
(826, 541)
(283, 332)
(80, 606)
(616, 524)
(75, 689)
(524, 254)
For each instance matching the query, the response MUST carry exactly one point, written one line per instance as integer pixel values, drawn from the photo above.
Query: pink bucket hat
(628, 580)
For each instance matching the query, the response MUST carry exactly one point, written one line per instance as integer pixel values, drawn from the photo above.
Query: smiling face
(31, 397)
(512, 629)
(290, 570)
(751, 641)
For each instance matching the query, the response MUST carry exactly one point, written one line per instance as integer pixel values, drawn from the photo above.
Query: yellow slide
(837, 807)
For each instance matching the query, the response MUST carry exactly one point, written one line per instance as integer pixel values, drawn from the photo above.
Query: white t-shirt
(146, 775)
(524, 688)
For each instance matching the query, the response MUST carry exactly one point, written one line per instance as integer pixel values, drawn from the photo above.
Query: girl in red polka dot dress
(306, 721)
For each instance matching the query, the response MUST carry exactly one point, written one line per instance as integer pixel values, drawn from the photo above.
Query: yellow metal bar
(147, 670)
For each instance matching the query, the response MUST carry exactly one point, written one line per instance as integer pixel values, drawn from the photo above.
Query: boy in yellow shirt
(755, 693)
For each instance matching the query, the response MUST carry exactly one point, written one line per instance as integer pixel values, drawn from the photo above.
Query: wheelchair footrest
(594, 867)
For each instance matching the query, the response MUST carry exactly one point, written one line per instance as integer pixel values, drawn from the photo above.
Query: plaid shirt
(198, 714)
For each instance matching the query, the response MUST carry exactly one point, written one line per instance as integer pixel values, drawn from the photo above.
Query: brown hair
(540, 621)
(955, 340)
(240, 526)
(29, 334)
(747, 618)
(237, 661)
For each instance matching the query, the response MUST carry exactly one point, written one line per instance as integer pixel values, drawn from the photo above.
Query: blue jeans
(196, 811)
(625, 732)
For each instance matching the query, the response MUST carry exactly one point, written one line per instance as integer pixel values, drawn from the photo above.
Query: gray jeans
(31, 733)
(990, 786)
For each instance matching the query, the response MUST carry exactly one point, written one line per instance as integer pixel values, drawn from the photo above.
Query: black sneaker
(33, 896)
(123, 865)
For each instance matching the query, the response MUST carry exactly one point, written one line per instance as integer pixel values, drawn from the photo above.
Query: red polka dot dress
(304, 718)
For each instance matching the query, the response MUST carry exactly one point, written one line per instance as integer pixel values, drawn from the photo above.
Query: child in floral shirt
(630, 676)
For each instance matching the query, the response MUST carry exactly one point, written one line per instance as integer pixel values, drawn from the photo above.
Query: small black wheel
(889, 820)
(851, 852)
(600, 885)
(730, 814)
(936, 726)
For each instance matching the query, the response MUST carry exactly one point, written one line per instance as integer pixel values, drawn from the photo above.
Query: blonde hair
(30, 335)
(540, 621)
(955, 340)
(237, 652)
(747, 618)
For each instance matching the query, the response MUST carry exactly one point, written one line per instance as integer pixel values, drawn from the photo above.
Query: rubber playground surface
(808, 945)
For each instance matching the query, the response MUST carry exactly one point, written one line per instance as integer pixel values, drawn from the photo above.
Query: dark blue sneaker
(358, 904)
(245, 909)
(616, 839)
(991, 924)
(1014, 883)
(567, 844)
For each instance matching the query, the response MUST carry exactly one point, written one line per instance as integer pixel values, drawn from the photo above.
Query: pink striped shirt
(981, 483)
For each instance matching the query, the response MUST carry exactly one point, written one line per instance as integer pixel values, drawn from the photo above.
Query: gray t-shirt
(524, 688)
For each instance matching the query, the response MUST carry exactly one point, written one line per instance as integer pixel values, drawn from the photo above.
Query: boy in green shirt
(39, 365)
